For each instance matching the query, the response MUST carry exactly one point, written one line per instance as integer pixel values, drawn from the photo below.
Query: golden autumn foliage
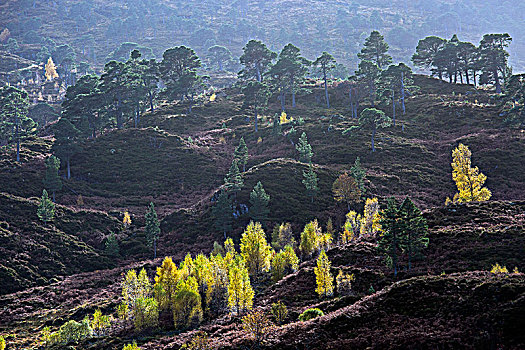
(255, 250)
(345, 189)
(344, 282)
(497, 269)
(126, 220)
(469, 180)
(166, 282)
(351, 228)
(283, 119)
(240, 292)
(370, 222)
(257, 325)
(323, 277)
(51, 70)
(213, 97)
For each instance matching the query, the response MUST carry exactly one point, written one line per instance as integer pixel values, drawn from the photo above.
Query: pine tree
(494, 58)
(325, 63)
(46, 208)
(112, 248)
(255, 250)
(368, 74)
(52, 180)
(256, 95)
(222, 213)
(304, 149)
(233, 182)
(310, 182)
(152, 228)
(372, 118)
(345, 189)
(469, 181)
(51, 70)
(323, 277)
(426, 51)
(241, 154)
(390, 242)
(256, 60)
(240, 291)
(259, 200)
(359, 174)
(65, 146)
(375, 49)
(414, 230)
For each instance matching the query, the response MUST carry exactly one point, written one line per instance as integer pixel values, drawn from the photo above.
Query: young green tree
(233, 181)
(112, 248)
(240, 291)
(390, 242)
(414, 230)
(375, 49)
(304, 149)
(256, 95)
(310, 181)
(152, 228)
(65, 146)
(256, 60)
(255, 250)
(259, 200)
(469, 181)
(359, 174)
(325, 63)
(241, 154)
(494, 57)
(323, 276)
(52, 180)
(46, 208)
(222, 212)
(14, 122)
(345, 189)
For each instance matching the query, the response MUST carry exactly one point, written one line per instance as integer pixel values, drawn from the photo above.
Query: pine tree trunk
(326, 88)
(17, 136)
(293, 99)
(256, 117)
(393, 108)
(403, 93)
(53, 196)
(373, 136)
(68, 169)
(498, 84)
(151, 101)
(467, 77)
(155, 248)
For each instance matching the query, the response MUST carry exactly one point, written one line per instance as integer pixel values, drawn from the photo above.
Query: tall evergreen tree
(241, 154)
(52, 180)
(414, 230)
(368, 74)
(259, 201)
(304, 149)
(14, 122)
(359, 174)
(233, 181)
(325, 63)
(390, 242)
(256, 95)
(372, 118)
(66, 145)
(152, 228)
(46, 208)
(494, 58)
(375, 49)
(426, 51)
(310, 182)
(220, 57)
(396, 81)
(222, 213)
(256, 60)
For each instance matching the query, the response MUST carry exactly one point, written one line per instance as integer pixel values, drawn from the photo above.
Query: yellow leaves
(284, 118)
(259, 140)
(323, 277)
(344, 282)
(213, 97)
(222, 140)
(469, 181)
(126, 220)
(51, 70)
(370, 222)
(497, 269)
(255, 249)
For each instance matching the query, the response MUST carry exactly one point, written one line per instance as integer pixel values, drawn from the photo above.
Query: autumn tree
(469, 180)
(51, 70)
(46, 208)
(255, 249)
(370, 225)
(257, 325)
(325, 63)
(152, 228)
(136, 293)
(222, 213)
(52, 180)
(187, 310)
(323, 277)
(14, 122)
(313, 240)
(282, 236)
(259, 203)
(351, 228)
(241, 154)
(310, 181)
(240, 291)
(256, 60)
(166, 281)
(375, 49)
(284, 262)
(345, 189)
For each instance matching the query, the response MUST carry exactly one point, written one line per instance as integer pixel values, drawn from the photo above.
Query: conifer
(112, 248)
(304, 149)
(46, 208)
(390, 242)
(152, 228)
(359, 174)
(259, 203)
(233, 181)
(222, 212)
(414, 230)
(52, 180)
(241, 154)
(310, 181)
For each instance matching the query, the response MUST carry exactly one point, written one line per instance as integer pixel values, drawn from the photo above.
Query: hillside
(463, 308)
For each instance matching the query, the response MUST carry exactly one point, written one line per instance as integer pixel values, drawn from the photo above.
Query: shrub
(279, 312)
(256, 324)
(344, 283)
(2, 343)
(131, 346)
(199, 342)
(146, 313)
(100, 322)
(497, 269)
(71, 331)
(310, 314)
